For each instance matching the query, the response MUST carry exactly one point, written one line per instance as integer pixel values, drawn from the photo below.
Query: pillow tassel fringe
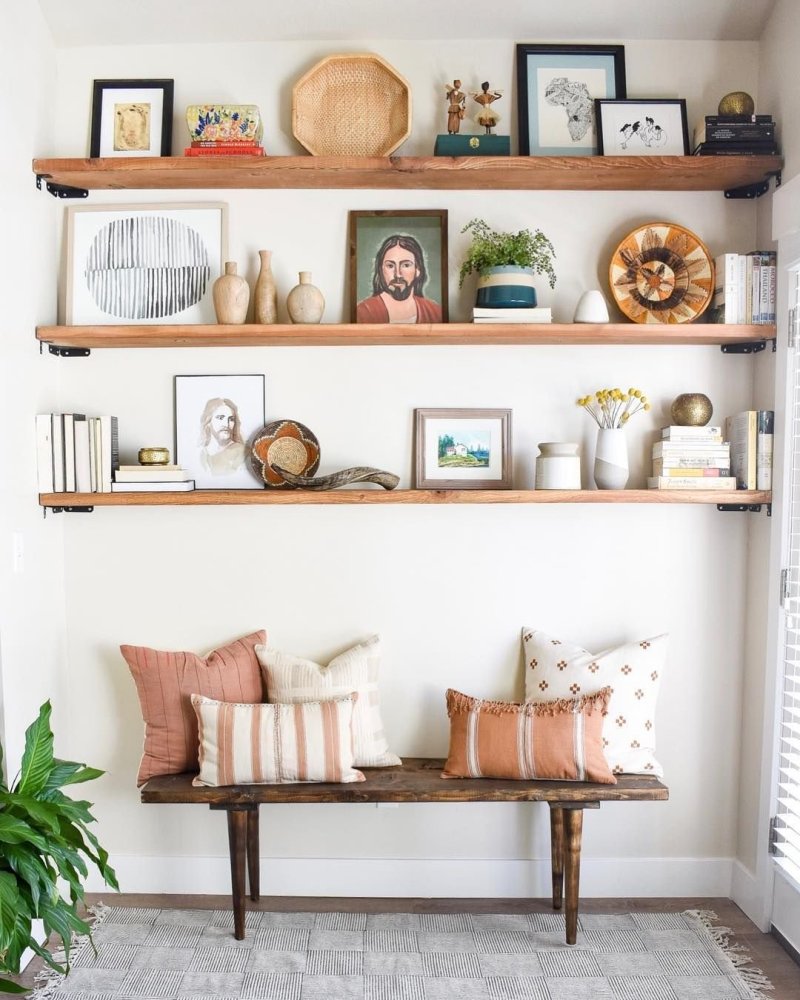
(458, 702)
(755, 980)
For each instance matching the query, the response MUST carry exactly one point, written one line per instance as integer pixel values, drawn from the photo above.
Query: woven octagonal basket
(351, 105)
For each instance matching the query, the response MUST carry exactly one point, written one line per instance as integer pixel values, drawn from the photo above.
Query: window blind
(786, 835)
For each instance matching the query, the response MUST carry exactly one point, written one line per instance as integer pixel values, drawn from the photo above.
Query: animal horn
(358, 474)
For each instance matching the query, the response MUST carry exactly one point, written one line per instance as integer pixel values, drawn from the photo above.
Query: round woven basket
(351, 105)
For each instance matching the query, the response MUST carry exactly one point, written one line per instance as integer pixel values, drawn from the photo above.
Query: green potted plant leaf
(506, 264)
(43, 835)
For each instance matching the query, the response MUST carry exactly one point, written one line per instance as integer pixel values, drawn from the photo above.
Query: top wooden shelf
(556, 173)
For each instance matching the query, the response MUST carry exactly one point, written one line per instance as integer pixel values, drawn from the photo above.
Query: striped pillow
(558, 740)
(274, 744)
(164, 683)
(290, 679)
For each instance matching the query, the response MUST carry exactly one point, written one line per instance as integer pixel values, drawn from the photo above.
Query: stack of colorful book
(744, 288)
(691, 458)
(152, 479)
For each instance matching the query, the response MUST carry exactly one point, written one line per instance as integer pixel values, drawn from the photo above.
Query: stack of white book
(691, 458)
(76, 453)
(152, 479)
(488, 314)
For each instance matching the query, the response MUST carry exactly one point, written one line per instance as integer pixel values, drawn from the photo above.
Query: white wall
(32, 652)
(448, 589)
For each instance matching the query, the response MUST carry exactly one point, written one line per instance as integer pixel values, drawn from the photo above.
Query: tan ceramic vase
(266, 295)
(305, 302)
(231, 295)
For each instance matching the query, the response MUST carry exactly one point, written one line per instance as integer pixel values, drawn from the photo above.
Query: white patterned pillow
(557, 669)
(290, 679)
(273, 744)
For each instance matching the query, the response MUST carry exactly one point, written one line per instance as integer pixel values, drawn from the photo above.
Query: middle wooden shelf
(371, 335)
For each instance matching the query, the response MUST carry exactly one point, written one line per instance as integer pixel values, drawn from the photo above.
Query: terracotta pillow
(555, 668)
(165, 681)
(275, 744)
(557, 740)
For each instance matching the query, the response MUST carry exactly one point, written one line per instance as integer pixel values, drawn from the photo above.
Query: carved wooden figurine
(456, 101)
(487, 116)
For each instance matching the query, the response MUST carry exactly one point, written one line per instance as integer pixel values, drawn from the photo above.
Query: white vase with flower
(611, 410)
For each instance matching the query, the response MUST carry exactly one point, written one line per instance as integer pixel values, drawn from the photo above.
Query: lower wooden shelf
(218, 498)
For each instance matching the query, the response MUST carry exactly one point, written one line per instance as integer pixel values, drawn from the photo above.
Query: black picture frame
(661, 134)
(558, 119)
(146, 129)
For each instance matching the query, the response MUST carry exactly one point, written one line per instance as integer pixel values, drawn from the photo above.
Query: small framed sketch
(215, 417)
(398, 266)
(642, 127)
(131, 118)
(556, 89)
(462, 449)
(144, 263)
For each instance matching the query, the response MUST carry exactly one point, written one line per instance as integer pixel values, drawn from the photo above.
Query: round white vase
(591, 308)
(611, 459)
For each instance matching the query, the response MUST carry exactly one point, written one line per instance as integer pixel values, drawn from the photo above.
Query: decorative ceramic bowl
(154, 456)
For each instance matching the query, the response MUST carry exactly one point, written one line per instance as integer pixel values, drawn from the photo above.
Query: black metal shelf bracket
(752, 508)
(755, 190)
(749, 347)
(69, 352)
(61, 190)
(70, 510)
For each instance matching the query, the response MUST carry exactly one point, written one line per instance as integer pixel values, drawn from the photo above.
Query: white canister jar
(558, 466)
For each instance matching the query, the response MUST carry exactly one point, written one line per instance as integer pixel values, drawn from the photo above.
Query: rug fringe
(48, 981)
(752, 977)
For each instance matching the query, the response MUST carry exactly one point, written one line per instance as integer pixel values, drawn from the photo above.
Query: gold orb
(737, 103)
(691, 409)
(154, 456)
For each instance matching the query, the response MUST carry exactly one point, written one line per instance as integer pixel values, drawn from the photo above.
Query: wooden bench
(417, 780)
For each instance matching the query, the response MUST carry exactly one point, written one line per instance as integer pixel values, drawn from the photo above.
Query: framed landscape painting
(398, 266)
(557, 86)
(642, 127)
(462, 449)
(135, 264)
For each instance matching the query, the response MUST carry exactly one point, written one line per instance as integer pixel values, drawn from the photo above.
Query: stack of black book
(736, 135)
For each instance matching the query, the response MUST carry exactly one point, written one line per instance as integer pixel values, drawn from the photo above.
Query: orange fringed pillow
(558, 740)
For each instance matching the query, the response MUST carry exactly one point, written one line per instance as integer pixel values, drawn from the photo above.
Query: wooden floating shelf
(368, 335)
(219, 498)
(517, 173)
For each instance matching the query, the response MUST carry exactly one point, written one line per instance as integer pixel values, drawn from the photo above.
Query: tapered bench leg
(253, 861)
(573, 827)
(237, 844)
(557, 853)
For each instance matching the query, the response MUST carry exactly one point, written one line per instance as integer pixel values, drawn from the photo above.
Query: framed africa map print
(557, 86)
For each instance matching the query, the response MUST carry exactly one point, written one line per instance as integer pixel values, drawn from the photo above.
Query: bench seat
(418, 779)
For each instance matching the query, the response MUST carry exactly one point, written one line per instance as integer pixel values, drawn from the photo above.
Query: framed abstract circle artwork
(662, 273)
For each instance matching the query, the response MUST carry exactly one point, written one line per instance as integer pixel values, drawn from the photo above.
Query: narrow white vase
(611, 459)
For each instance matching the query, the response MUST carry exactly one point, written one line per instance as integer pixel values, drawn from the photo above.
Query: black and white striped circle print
(147, 267)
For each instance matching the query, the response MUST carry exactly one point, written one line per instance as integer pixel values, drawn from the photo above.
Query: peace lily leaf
(17, 831)
(6, 986)
(37, 760)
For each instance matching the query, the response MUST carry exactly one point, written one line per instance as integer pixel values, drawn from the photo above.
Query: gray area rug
(192, 955)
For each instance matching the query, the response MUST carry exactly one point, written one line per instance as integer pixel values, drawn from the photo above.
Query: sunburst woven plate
(351, 105)
(286, 443)
(662, 273)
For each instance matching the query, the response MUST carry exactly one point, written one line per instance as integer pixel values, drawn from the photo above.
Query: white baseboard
(751, 896)
(425, 877)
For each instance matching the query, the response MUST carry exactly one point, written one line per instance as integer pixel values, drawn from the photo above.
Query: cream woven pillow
(633, 671)
(291, 679)
(274, 744)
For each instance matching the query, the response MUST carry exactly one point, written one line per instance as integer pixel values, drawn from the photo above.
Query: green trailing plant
(44, 844)
(491, 248)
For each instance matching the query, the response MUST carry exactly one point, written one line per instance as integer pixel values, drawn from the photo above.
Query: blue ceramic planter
(508, 287)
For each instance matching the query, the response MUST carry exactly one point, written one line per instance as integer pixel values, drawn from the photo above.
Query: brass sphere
(737, 103)
(691, 409)
(154, 456)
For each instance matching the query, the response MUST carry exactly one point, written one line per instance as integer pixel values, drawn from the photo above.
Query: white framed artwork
(138, 264)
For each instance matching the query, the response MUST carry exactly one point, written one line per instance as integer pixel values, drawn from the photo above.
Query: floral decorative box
(224, 122)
